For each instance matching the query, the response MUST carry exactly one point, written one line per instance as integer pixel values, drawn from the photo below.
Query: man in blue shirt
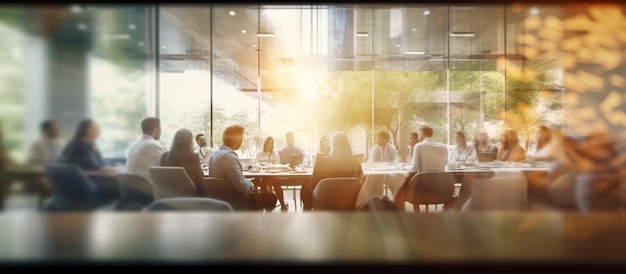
(224, 163)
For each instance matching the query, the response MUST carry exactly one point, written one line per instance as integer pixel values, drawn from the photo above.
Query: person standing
(47, 149)
(383, 151)
(146, 151)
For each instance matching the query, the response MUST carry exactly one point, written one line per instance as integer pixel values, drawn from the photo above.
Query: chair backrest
(434, 187)
(70, 183)
(498, 194)
(223, 189)
(172, 182)
(189, 204)
(336, 194)
(134, 186)
(380, 203)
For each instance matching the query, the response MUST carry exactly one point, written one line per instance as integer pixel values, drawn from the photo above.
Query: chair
(189, 204)
(380, 203)
(72, 190)
(172, 182)
(336, 194)
(430, 188)
(136, 191)
(223, 189)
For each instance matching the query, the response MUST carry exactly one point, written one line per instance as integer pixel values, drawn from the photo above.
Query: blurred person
(47, 149)
(428, 155)
(340, 163)
(146, 151)
(486, 151)
(224, 163)
(291, 150)
(413, 140)
(83, 151)
(268, 156)
(462, 152)
(324, 144)
(383, 151)
(510, 149)
(543, 150)
(204, 151)
(181, 154)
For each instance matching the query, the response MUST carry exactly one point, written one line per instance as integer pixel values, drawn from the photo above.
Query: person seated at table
(462, 152)
(543, 149)
(47, 149)
(340, 163)
(510, 150)
(428, 155)
(204, 151)
(146, 151)
(383, 151)
(224, 163)
(324, 145)
(486, 151)
(268, 156)
(413, 140)
(83, 151)
(291, 150)
(181, 154)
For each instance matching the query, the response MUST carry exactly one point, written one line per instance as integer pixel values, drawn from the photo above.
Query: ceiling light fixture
(461, 34)
(243, 31)
(116, 36)
(362, 34)
(76, 9)
(132, 26)
(426, 12)
(264, 35)
(414, 52)
(232, 13)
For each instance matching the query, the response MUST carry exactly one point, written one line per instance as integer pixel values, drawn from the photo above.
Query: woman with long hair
(182, 154)
(486, 151)
(510, 150)
(269, 156)
(82, 149)
(324, 144)
(339, 163)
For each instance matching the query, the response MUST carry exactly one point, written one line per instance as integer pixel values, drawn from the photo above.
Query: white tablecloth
(375, 181)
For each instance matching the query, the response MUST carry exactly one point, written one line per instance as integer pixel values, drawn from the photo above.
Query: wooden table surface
(321, 237)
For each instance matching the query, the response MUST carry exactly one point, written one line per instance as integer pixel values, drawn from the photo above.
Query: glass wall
(309, 69)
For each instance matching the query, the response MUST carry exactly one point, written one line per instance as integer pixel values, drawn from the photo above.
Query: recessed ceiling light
(132, 26)
(377, 66)
(461, 34)
(397, 45)
(254, 46)
(426, 12)
(362, 34)
(264, 35)
(414, 52)
(163, 47)
(232, 13)
(243, 31)
(82, 26)
(413, 29)
(76, 9)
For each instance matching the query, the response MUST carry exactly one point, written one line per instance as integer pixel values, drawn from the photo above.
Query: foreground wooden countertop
(314, 237)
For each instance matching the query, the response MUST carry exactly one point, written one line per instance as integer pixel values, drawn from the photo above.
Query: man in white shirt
(49, 147)
(204, 152)
(383, 151)
(428, 155)
(147, 150)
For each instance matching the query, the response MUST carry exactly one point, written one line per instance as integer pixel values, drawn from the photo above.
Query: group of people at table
(334, 159)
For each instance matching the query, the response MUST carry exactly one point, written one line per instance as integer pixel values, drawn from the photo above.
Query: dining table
(314, 238)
